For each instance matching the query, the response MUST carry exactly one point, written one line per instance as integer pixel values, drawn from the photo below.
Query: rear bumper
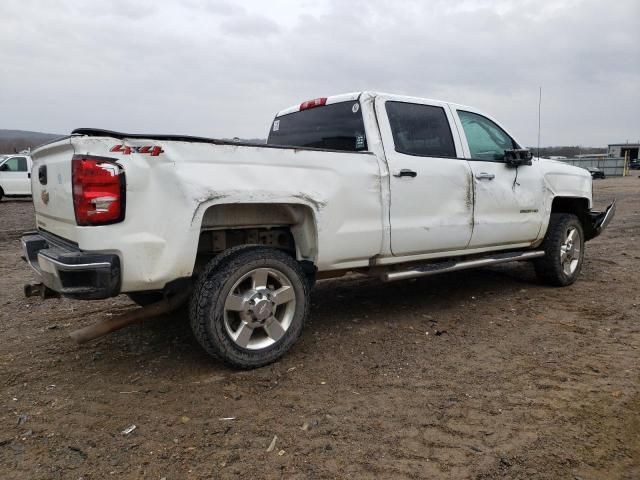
(66, 269)
(600, 220)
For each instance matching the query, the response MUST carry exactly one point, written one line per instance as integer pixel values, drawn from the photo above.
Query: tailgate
(51, 188)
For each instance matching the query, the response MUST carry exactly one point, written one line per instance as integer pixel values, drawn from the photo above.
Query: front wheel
(249, 305)
(564, 251)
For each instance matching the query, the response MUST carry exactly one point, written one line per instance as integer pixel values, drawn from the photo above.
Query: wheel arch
(578, 206)
(296, 218)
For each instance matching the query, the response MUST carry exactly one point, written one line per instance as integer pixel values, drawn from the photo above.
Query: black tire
(311, 281)
(550, 269)
(1, 193)
(209, 322)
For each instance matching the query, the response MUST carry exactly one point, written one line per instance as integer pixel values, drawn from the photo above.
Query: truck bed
(169, 194)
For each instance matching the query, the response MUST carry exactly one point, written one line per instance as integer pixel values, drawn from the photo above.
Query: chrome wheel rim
(570, 251)
(259, 308)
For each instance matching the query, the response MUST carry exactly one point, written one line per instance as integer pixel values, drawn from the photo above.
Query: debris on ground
(129, 429)
(272, 445)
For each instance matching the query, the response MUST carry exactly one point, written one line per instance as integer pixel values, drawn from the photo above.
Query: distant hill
(14, 141)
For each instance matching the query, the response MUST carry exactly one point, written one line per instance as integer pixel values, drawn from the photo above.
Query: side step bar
(454, 266)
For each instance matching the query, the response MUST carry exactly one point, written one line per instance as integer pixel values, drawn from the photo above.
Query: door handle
(405, 172)
(29, 175)
(485, 176)
(42, 174)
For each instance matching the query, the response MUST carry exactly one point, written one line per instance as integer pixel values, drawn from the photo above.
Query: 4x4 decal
(152, 150)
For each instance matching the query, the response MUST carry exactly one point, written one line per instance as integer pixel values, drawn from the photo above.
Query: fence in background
(611, 166)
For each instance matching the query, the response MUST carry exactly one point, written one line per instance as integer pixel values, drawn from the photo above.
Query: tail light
(316, 102)
(98, 190)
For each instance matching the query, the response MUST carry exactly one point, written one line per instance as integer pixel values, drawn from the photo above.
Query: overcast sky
(223, 68)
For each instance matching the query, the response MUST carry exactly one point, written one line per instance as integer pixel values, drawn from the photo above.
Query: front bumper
(600, 220)
(66, 269)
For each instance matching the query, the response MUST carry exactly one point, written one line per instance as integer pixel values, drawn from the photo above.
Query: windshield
(338, 126)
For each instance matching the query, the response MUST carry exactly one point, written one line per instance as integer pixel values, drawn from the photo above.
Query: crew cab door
(15, 175)
(431, 204)
(507, 200)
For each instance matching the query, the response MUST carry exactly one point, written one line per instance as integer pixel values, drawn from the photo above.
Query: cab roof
(344, 97)
(347, 97)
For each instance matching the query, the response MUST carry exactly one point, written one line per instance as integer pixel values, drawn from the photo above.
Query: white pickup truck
(385, 185)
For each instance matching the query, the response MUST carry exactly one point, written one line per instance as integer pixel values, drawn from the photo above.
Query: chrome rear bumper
(70, 271)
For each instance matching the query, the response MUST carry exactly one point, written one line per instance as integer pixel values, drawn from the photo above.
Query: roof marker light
(316, 102)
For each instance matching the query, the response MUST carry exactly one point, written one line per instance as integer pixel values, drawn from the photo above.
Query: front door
(431, 187)
(508, 201)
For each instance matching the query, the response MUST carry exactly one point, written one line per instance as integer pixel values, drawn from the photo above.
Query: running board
(454, 266)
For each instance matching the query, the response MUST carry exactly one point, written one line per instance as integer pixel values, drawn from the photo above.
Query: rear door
(431, 187)
(508, 201)
(15, 176)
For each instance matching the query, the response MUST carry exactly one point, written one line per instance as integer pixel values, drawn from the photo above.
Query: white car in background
(15, 175)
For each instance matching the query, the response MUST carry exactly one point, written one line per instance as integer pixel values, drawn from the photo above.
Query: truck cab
(448, 171)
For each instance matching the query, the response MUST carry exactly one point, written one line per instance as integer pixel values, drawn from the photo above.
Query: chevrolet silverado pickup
(385, 185)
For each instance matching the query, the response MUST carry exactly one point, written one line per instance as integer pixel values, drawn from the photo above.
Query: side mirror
(4, 167)
(517, 156)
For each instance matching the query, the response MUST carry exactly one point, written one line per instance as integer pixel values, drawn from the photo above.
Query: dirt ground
(483, 374)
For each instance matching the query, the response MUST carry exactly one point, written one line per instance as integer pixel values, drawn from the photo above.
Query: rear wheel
(564, 251)
(249, 305)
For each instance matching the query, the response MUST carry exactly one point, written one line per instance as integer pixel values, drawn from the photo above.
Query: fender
(561, 180)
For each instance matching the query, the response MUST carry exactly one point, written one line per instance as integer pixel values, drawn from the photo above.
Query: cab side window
(487, 141)
(15, 164)
(421, 130)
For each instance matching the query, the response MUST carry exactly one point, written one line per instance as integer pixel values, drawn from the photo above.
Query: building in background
(621, 149)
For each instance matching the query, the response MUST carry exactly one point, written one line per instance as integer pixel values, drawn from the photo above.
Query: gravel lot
(484, 374)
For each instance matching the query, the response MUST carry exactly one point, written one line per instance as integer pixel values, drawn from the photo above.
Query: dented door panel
(432, 210)
(508, 201)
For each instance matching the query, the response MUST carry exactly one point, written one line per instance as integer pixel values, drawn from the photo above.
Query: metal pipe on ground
(109, 325)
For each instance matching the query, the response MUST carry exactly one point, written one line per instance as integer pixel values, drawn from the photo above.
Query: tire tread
(548, 268)
(212, 280)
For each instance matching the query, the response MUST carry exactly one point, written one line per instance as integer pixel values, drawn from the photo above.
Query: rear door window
(338, 126)
(421, 130)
